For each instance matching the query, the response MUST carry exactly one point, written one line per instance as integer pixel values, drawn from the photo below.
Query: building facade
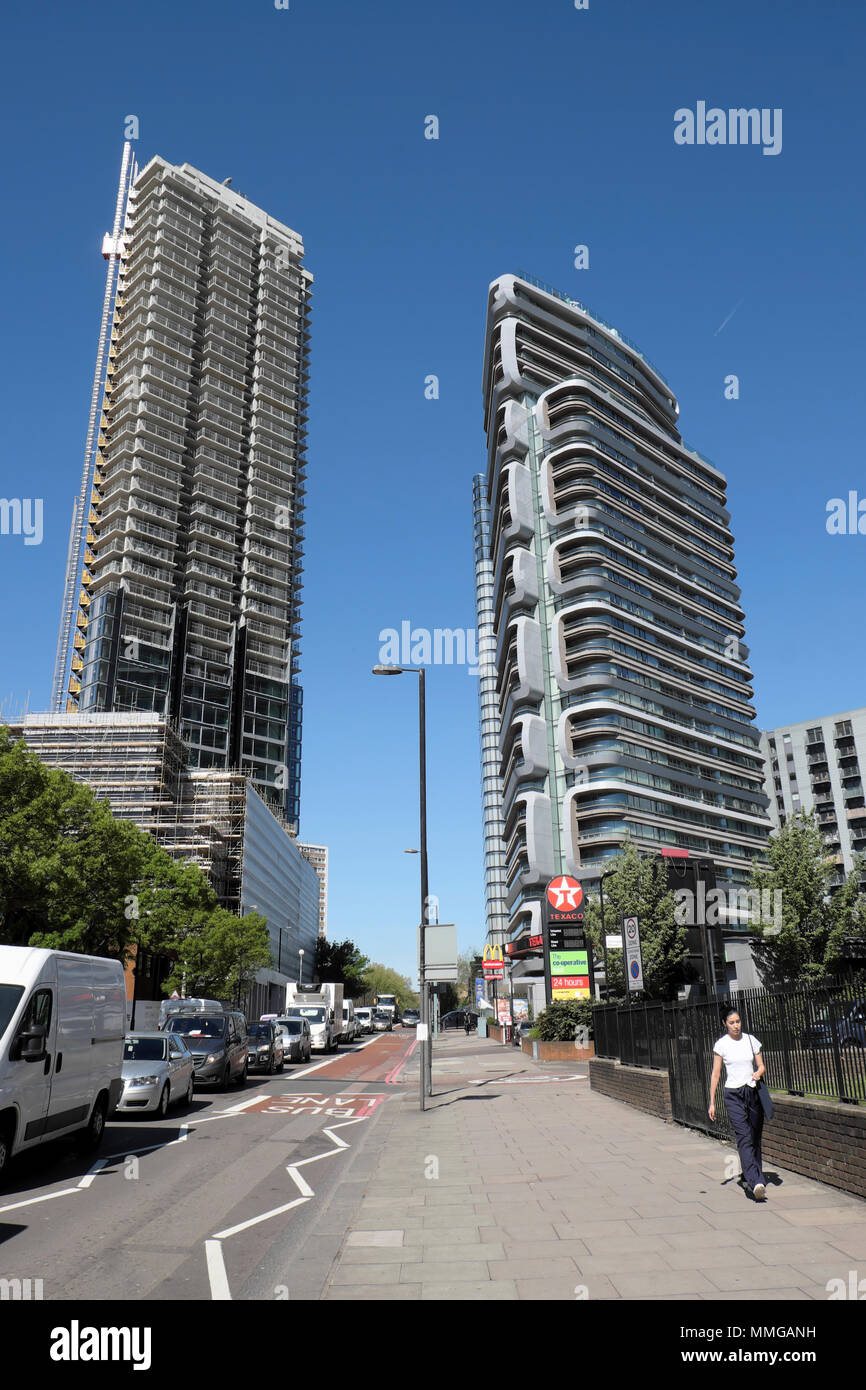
(190, 597)
(215, 819)
(817, 765)
(624, 695)
(496, 915)
(317, 855)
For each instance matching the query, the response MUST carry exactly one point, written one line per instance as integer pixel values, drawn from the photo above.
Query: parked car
(158, 1071)
(297, 1040)
(218, 1043)
(62, 1025)
(364, 1019)
(850, 1025)
(264, 1047)
(411, 1018)
(382, 1021)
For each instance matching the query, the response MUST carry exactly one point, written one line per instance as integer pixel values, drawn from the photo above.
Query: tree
(560, 1020)
(814, 921)
(341, 963)
(66, 865)
(467, 970)
(380, 979)
(639, 888)
(218, 957)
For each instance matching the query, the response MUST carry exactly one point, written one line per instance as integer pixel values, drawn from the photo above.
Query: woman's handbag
(763, 1094)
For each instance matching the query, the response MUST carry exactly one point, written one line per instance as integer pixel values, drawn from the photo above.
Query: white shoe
(759, 1192)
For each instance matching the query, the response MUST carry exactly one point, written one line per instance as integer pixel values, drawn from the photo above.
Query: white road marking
(31, 1201)
(100, 1163)
(255, 1220)
(303, 1187)
(216, 1270)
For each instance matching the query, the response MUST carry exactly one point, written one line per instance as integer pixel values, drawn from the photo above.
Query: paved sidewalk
(518, 1183)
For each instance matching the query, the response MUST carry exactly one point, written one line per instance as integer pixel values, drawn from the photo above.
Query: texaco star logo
(565, 894)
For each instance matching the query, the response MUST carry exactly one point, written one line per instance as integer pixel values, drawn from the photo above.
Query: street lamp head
(387, 670)
(411, 851)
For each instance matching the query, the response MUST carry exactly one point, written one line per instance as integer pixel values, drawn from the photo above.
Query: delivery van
(62, 1026)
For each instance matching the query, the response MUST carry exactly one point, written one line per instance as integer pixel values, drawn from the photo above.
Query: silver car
(157, 1071)
(297, 1041)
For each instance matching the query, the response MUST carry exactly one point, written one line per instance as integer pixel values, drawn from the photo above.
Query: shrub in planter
(561, 1019)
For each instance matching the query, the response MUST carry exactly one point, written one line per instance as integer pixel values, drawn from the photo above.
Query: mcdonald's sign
(493, 963)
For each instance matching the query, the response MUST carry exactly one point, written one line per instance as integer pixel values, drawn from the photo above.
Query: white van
(350, 1026)
(62, 1025)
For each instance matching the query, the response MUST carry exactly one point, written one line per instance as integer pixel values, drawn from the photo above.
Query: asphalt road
(244, 1195)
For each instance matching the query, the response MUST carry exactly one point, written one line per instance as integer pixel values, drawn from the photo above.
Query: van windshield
(197, 1027)
(10, 998)
(317, 1015)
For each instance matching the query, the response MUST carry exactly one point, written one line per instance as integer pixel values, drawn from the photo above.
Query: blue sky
(556, 129)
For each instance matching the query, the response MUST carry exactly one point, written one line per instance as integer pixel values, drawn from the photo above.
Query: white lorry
(63, 1020)
(322, 1007)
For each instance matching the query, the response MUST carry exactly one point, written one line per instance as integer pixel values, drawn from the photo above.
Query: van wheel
(242, 1079)
(92, 1136)
(162, 1108)
(190, 1092)
(227, 1077)
(5, 1149)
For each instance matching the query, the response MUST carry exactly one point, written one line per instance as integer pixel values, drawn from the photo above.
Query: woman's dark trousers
(747, 1117)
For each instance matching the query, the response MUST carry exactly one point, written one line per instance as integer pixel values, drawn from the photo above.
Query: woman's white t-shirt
(737, 1057)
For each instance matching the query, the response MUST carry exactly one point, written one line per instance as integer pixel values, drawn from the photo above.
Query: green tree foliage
(380, 979)
(639, 888)
(67, 866)
(341, 963)
(218, 957)
(815, 922)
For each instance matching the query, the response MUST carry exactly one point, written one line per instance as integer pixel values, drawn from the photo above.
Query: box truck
(322, 1007)
(63, 1019)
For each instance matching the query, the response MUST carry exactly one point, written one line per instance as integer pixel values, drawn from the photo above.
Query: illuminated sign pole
(568, 972)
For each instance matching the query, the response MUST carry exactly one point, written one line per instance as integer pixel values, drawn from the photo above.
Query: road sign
(440, 952)
(633, 957)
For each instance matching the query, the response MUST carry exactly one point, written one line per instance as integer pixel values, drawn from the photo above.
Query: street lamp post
(426, 1087)
(300, 965)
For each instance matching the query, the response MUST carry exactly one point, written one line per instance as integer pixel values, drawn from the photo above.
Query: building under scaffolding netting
(139, 764)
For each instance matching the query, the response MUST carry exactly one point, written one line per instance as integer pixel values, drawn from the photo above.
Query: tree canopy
(639, 887)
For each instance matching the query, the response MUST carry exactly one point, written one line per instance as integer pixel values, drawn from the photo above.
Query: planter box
(557, 1051)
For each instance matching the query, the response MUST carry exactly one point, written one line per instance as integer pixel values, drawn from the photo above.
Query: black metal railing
(813, 1040)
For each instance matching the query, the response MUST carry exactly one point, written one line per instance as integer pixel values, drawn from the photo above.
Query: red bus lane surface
(378, 1061)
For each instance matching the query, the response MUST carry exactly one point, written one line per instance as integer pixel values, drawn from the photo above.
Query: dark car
(264, 1047)
(218, 1043)
(411, 1018)
(850, 1025)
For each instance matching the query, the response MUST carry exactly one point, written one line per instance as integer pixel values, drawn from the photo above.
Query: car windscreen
(382, 1015)
(144, 1050)
(10, 998)
(292, 1025)
(195, 1027)
(259, 1030)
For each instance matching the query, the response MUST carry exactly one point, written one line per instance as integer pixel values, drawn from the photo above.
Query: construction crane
(111, 249)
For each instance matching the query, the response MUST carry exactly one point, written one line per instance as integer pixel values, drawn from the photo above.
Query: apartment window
(843, 727)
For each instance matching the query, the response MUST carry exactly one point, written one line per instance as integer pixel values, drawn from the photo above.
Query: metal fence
(813, 1040)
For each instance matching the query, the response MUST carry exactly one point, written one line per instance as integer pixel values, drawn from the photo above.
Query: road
(244, 1195)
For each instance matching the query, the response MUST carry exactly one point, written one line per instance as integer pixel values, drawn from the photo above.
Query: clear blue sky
(556, 130)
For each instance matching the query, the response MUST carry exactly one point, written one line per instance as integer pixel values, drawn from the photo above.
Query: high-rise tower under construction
(189, 597)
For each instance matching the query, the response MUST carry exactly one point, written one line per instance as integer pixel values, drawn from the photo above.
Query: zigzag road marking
(216, 1269)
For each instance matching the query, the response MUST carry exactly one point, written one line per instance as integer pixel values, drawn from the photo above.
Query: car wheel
(91, 1137)
(162, 1108)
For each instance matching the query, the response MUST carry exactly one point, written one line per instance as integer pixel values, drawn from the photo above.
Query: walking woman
(744, 1067)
